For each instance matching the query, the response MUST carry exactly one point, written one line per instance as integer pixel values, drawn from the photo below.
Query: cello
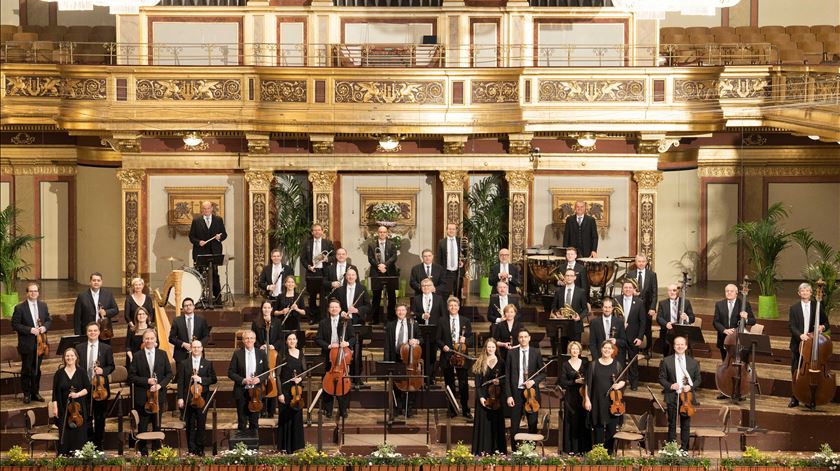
(411, 355)
(815, 382)
(336, 382)
(732, 375)
(271, 382)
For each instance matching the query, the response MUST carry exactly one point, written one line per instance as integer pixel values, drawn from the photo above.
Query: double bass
(732, 375)
(271, 382)
(815, 382)
(410, 356)
(106, 331)
(336, 382)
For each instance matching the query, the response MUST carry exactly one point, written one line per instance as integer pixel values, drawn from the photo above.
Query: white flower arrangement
(240, 454)
(525, 454)
(386, 211)
(827, 458)
(88, 452)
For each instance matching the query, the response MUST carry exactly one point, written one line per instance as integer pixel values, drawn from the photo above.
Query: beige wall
(677, 225)
(721, 214)
(100, 16)
(676, 19)
(55, 216)
(811, 206)
(9, 12)
(98, 231)
(5, 195)
(802, 12)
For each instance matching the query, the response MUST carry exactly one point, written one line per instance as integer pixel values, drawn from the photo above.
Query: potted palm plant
(12, 242)
(294, 217)
(484, 227)
(826, 265)
(765, 240)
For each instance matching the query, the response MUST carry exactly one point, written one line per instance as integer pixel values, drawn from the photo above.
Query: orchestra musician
(290, 420)
(134, 301)
(316, 246)
(455, 329)
(728, 311)
(334, 277)
(426, 269)
(207, 232)
(499, 300)
(329, 336)
(576, 298)
(449, 257)
(185, 328)
(489, 424)
(599, 381)
(93, 305)
(506, 331)
(246, 366)
(802, 316)
(522, 363)
(505, 271)
(577, 438)
(134, 341)
(581, 232)
(149, 371)
(98, 358)
(668, 314)
(382, 256)
(195, 369)
(396, 335)
(273, 274)
(70, 382)
(679, 373)
(355, 307)
(648, 287)
(607, 327)
(289, 306)
(30, 319)
(268, 338)
(581, 278)
(428, 309)
(635, 322)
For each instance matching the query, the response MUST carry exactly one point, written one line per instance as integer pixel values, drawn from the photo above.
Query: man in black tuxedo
(728, 313)
(522, 363)
(679, 373)
(449, 257)
(581, 278)
(273, 274)
(25, 321)
(668, 314)
(574, 297)
(398, 332)
(334, 278)
(185, 328)
(607, 327)
(149, 371)
(635, 322)
(97, 358)
(195, 369)
(648, 287)
(316, 246)
(453, 329)
(329, 337)
(382, 255)
(427, 269)
(93, 304)
(498, 302)
(246, 366)
(802, 317)
(355, 307)
(581, 232)
(207, 232)
(428, 309)
(505, 271)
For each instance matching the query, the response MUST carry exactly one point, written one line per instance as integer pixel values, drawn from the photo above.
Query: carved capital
(322, 182)
(131, 179)
(519, 180)
(647, 179)
(126, 144)
(258, 143)
(453, 180)
(322, 143)
(519, 144)
(644, 146)
(259, 180)
(454, 144)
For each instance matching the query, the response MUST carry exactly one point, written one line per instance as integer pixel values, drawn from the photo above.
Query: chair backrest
(757, 329)
(643, 420)
(119, 375)
(698, 321)
(29, 422)
(135, 423)
(724, 418)
(546, 426)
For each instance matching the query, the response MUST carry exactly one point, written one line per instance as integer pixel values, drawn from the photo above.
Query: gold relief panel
(596, 201)
(592, 90)
(495, 91)
(743, 88)
(30, 86)
(185, 204)
(283, 91)
(826, 87)
(647, 179)
(259, 180)
(322, 182)
(84, 89)
(453, 180)
(695, 90)
(131, 179)
(389, 92)
(647, 224)
(518, 225)
(189, 89)
(796, 87)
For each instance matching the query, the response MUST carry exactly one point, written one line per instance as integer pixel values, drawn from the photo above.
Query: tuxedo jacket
(723, 320)
(237, 372)
(266, 279)
(797, 322)
(668, 376)
(275, 334)
(392, 353)
(512, 368)
(199, 231)
(324, 335)
(581, 277)
(649, 290)
(331, 274)
(663, 313)
(435, 313)
(442, 251)
(418, 274)
(597, 335)
(389, 258)
(22, 324)
(185, 372)
(360, 297)
(84, 311)
(306, 253)
(445, 335)
(635, 320)
(514, 280)
(139, 374)
(178, 334)
(579, 304)
(494, 307)
(583, 237)
(105, 357)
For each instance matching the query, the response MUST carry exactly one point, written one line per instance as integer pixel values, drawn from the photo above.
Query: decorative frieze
(591, 91)
(495, 91)
(283, 91)
(55, 87)
(322, 197)
(188, 89)
(453, 196)
(421, 92)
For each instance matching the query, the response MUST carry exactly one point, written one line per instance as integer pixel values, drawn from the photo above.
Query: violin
(255, 398)
(196, 391)
(43, 343)
(98, 385)
(815, 382)
(617, 406)
(152, 406)
(686, 400)
(493, 399)
(271, 389)
(732, 375)
(457, 361)
(530, 394)
(582, 389)
(106, 331)
(336, 382)
(296, 400)
(73, 413)
(410, 356)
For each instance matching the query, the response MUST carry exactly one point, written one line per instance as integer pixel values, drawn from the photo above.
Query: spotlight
(192, 139)
(586, 140)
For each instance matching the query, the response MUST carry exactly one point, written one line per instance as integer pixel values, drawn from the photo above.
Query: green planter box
(484, 287)
(8, 302)
(767, 307)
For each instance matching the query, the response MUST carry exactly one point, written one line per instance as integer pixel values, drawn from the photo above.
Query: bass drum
(192, 286)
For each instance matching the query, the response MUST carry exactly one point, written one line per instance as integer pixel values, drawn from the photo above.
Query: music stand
(389, 282)
(212, 262)
(361, 332)
(429, 333)
(68, 341)
(316, 283)
(692, 333)
(556, 328)
(387, 370)
(759, 343)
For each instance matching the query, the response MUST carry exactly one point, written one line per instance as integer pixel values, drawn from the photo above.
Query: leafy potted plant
(164, 458)
(825, 459)
(294, 217)
(385, 458)
(88, 457)
(825, 266)
(765, 240)
(672, 458)
(753, 460)
(12, 242)
(484, 227)
(598, 459)
(18, 460)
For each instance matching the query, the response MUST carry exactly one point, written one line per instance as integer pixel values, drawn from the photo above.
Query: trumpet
(321, 257)
(565, 312)
(618, 310)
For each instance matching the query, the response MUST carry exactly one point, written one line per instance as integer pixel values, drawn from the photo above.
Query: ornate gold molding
(322, 143)
(131, 179)
(38, 169)
(322, 197)
(70, 88)
(519, 180)
(647, 179)
(124, 144)
(23, 139)
(495, 91)
(188, 89)
(591, 91)
(420, 92)
(519, 144)
(767, 171)
(322, 181)
(454, 144)
(258, 143)
(453, 180)
(259, 180)
(283, 91)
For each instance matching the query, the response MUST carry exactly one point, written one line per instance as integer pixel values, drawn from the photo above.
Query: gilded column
(322, 198)
(453, 197)
(259, 184)
(132, 199)
(519, 189)
(646, 208)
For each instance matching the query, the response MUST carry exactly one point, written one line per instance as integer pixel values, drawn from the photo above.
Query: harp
(162, 326)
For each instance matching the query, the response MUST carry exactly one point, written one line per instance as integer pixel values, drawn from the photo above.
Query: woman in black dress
(288, 303)
(134, 340)
(136, 300)
(290, 423)
(488, 425)
(577, 438)
(599, 381)
(70, 381)
(267, 329)
(505, 331)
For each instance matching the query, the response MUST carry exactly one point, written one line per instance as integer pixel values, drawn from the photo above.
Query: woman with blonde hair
(70, 383)
(136, 300)
(577, 438)
(489, 422)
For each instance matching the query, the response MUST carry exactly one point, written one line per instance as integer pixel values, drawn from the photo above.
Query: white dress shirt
(451, 254)
(607, 325)
(682, 372)
(401, 332)
(627, 302)
(196, 364)
(455, 327)
(33, 309)
(250, 362)
(92, 352)
(674, 311)
(95, 296)
(277, 275)
(806, 315)
(334, 329)
(523, 365)
(340, 269)
(316, 250)
(150, 358)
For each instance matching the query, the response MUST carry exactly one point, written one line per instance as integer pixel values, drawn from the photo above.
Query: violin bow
(541, 369)
(623, 372)
(491, 380)
(302, 374)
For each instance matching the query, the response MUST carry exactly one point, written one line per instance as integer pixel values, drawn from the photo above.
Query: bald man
(207, 232)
